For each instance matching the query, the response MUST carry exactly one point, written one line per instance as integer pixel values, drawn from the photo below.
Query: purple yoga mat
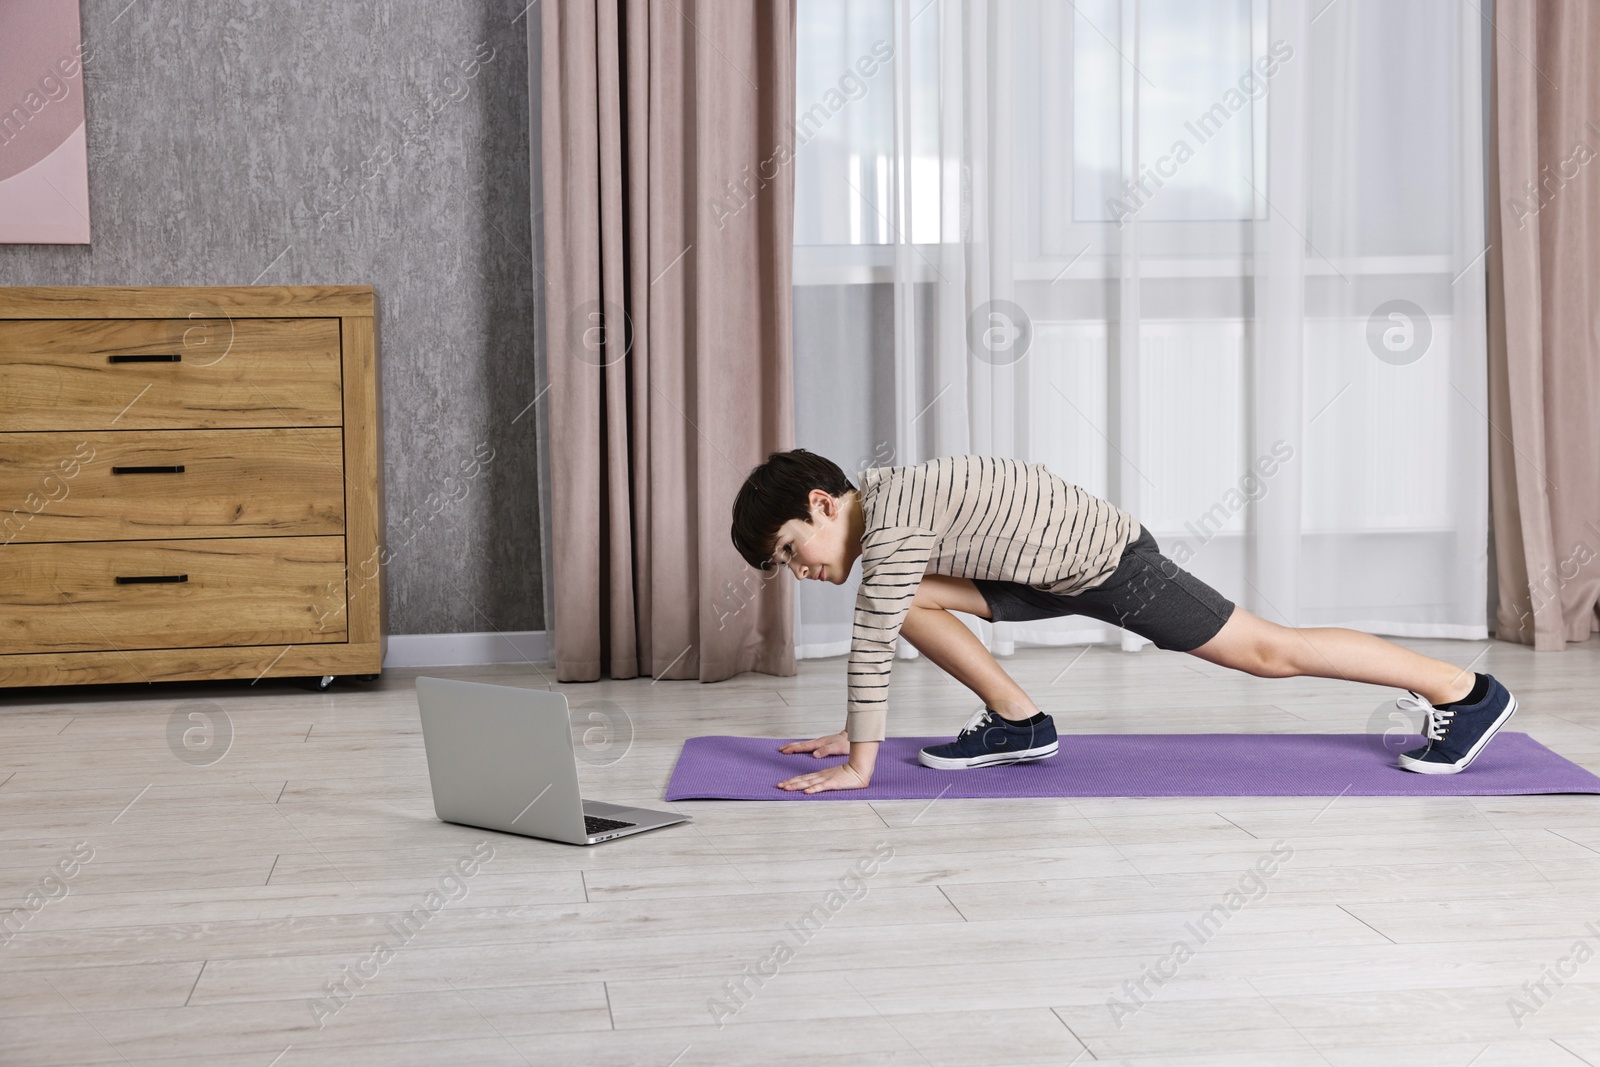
(1138, 765)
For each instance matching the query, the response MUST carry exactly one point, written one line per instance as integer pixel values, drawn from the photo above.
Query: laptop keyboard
(593, 824)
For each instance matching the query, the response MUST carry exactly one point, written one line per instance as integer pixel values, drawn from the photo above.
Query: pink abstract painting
(44, 154)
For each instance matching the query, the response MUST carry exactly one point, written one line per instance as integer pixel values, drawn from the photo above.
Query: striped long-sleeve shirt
(967, 517)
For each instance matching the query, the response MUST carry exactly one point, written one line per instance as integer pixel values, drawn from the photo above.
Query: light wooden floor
(220, 899)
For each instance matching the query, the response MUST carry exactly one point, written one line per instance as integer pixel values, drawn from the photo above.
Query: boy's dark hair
(776, 492)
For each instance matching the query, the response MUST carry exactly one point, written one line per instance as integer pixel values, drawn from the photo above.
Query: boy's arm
(863, 757)
(892, 567)
(892, 564)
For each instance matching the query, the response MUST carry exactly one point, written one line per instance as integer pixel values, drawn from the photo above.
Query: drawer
(127, 485)
(139, 374)
(182, 594)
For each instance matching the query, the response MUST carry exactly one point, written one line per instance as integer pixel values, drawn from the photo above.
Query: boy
(1009, 541)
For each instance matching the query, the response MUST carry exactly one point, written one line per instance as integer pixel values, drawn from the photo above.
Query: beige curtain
(668, 222)
(1544, 296)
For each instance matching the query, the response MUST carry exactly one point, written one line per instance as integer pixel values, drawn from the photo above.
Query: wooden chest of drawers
(190, 484)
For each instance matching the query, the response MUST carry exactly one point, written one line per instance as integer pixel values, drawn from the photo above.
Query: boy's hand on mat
(854, 773)
(833, 745)
(844, 776)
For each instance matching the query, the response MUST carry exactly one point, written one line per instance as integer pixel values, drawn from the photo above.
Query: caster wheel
(325, 683)
(368, 677)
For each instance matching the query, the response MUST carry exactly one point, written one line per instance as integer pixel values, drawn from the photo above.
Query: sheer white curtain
(1218, 262)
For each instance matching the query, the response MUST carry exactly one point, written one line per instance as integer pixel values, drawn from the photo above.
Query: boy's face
(818, 549)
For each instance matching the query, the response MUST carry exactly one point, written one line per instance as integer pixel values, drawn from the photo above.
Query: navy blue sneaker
(1456, 735)
(987, 739)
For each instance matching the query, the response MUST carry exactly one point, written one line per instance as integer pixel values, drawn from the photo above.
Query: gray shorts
(1147, 594)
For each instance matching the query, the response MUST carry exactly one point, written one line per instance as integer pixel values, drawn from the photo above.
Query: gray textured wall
(278, 144)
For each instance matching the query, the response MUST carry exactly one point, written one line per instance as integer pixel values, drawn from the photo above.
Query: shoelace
(975, 721)
(1436, 721)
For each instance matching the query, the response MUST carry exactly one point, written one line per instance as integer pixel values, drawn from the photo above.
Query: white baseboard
(467, 650)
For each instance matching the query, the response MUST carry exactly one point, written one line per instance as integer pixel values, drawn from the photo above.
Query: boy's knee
(1277, 655)
(931, 592)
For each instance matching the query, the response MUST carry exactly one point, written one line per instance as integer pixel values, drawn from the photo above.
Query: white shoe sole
(1425, 767)
(944, 763)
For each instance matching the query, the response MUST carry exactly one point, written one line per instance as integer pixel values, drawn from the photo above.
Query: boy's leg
(1251, 644)
(1246, 642)
(946, 641)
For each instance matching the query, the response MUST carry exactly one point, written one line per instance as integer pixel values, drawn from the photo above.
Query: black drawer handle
(148, 470)
(125, 579)
(145, 359)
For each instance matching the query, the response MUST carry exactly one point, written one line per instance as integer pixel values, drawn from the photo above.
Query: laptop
(500, 757)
